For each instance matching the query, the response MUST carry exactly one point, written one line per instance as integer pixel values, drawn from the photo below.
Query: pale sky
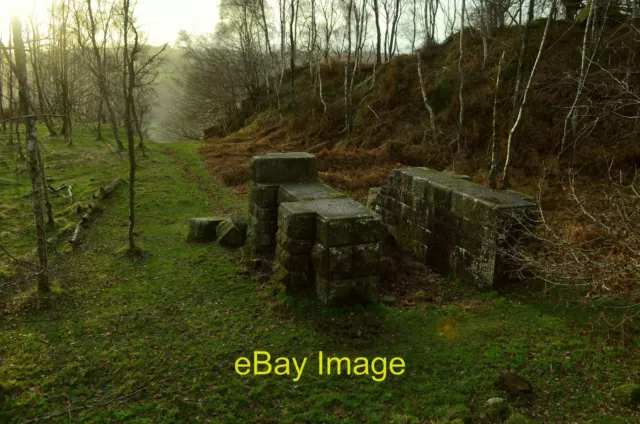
(161, 20)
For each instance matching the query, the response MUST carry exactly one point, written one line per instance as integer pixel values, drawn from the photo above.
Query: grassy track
(154, 339)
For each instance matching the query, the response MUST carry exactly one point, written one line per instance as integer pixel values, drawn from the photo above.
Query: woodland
(109, 145)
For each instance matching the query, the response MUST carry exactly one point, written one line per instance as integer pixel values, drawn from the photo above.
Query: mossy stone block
(232, 231)
(276, 168)
(263, 195)
(204, 229)
(296, 221)
(294, 192)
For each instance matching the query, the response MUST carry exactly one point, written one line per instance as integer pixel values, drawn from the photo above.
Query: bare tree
(96, 54)
(495, 144)
(28, 113)
(514, 128)
(461, 73)
(128, 81)
(424, 94)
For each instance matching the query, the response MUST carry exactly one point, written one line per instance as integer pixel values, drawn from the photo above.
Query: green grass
(155, 338)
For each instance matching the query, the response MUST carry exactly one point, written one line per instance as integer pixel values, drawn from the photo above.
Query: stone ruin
(452, 224)
(326, 242)
(322, 240)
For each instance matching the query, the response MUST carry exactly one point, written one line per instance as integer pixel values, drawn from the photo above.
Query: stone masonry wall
(451, 224)
(323, 241)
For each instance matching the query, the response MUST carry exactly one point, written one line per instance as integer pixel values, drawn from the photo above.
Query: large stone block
(294, 246)
(337, 221)
(292, 192)
(296, 220)
(366, 260)
(204, 229)
(263, 195)
(294, 281)
(332, 262)
(368, 229)
(292, 262)
(276, 168)
(485, 206)
(264, 214)
(261, 235)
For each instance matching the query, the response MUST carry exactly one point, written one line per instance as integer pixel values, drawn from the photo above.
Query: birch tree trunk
(128, 82)
(424, 94)
(461, 72)
(28, 112)
(521, 59)
(35, 66)
(347, 92)
(495, 145)
(376, 12)
(2, 117)
(584, 73)
(514, 128)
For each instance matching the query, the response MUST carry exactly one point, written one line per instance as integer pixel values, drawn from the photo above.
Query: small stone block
(232, 232)
(204, 229)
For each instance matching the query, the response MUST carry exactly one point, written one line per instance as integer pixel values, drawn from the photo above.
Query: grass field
(155, 338)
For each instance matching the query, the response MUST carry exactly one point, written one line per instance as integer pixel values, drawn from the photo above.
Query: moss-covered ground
(154, 338)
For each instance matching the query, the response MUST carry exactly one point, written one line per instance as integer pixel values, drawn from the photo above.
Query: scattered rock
(517, 418)
(496, 409)
(204, 229)
(388, 300)
(513, 383)
(627, 394)
(232, 231)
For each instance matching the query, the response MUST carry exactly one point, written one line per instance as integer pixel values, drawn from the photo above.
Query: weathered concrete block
(263, 195)
(204, 229)
(485, 206)
(296, 220)
(276, 168)
(368, 230)
(292, 192)
(232, 231)
(336, 220)
(261, 235)
(264, 214)
(332, 262)
(294, 246)
(292, 262)
(366, 260)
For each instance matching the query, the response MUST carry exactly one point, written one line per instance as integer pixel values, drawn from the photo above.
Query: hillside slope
(391, 127)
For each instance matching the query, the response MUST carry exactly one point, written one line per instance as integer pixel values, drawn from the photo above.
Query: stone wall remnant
(323, 241)
(452, 224)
